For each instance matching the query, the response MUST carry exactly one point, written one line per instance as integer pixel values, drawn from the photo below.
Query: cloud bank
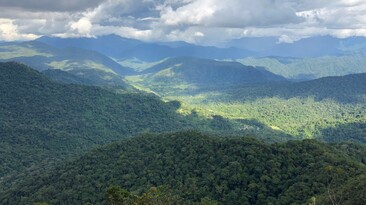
(209, 22)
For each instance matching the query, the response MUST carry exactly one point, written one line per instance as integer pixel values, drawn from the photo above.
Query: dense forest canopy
(196, 167)
(41, 119)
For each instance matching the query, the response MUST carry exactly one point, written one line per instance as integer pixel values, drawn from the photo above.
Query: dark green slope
(43, 120)
(208, 72)
(344, 89)
(194, 166)
(351, 193)
(65, 77)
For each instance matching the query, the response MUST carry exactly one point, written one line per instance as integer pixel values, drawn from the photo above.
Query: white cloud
(50, 5)
(127, 32)
(230, 13)
(195, 13)
(83, 26)
(195, 21)
(9, 31)
(199, 34)
(285, 39)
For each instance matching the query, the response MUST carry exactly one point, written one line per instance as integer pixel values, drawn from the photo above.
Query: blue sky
(206, 22)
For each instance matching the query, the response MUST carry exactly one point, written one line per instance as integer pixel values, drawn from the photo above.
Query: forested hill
(41, 119)
(196, 168)
(344, 89)
(311, 68)
(68, 78)
(208, 73)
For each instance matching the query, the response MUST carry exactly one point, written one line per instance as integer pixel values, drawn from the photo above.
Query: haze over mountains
(86, 64)
(307, 47)
(308, 58)
(108, 57)
(122, 48)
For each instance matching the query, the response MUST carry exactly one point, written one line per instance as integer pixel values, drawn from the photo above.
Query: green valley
(43, 122)
(330, 109)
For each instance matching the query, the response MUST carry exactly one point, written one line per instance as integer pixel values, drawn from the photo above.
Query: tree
(334, 175)
(118, 196)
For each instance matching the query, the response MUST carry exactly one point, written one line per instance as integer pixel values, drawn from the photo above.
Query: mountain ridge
(86, 64)
(204, 71)
(315, 46)
(122, 48)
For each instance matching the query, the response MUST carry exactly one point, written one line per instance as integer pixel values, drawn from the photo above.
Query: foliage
(65, 77)
(154, 196)
(43, 121)
(331, 109)
(350, 193)
(194, 167)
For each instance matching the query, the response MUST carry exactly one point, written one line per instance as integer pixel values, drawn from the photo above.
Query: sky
(205, 22)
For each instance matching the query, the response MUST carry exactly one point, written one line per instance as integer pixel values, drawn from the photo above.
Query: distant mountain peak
(123, 48)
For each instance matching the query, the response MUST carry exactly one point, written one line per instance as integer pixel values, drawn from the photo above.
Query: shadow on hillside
(253, 127)
(350, 89)
(352, 132)
(218, 124)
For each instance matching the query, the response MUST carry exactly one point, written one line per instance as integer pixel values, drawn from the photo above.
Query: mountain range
(310, 68)
(107, 58)
(104, 121)
(315, 46)
(85, 64)
(122, 48)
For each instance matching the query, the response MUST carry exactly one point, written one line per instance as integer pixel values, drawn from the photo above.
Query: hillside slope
(344, 89)
(86, 64)
(195, 166)
(191, 74)
(65, 77)
(41, 120)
